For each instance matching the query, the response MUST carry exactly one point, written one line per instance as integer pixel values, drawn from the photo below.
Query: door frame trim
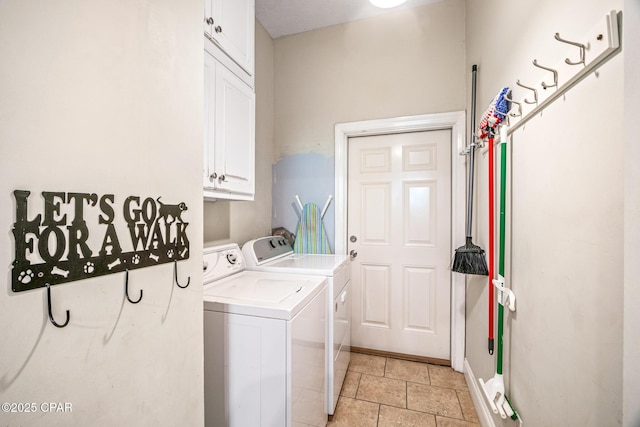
(455, 121)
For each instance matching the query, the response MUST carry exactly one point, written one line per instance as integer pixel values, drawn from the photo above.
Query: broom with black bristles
(470, 258)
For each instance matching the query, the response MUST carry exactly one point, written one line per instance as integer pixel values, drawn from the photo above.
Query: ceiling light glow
(385, 4)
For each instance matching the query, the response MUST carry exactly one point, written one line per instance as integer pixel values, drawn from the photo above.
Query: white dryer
(264, 344)
(275, 254)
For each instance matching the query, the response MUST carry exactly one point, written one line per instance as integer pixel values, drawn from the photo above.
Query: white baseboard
(485, 415)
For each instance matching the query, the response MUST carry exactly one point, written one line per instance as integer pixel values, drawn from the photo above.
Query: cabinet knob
(213, 176)
(209, 20)
(218, 29)
(222, 178)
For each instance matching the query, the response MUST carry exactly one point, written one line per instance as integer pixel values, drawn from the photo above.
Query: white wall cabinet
(229, 137)
(231, 25)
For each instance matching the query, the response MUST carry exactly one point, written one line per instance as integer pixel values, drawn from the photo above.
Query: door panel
(419, 212)
(419, 287)
(375, 283)
(399, 210)
(377, 202)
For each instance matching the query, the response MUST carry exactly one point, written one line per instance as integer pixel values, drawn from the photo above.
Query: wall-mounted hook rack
(602, 42)
(519, 113)
(580, 45)
(56, 324)
(555, 75)
(156, 229)
(534, 90)
(126, 289)
(175, 276)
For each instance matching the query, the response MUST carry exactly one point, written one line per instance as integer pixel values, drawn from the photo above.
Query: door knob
(353, 254)
(210, 20)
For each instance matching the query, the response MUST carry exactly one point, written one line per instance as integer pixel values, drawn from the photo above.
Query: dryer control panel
(221, 261)
(265, 249)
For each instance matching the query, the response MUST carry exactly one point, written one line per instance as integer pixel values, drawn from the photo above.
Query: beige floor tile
(443, 376)
(434, 400)
(350, 385)
(385, 392)
(355, 413)
(367, 364)
(398, 417)
(466, 404)
(388, 391)
(450, 422)
(408, 371)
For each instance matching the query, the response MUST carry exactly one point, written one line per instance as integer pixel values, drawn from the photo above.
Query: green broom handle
(503, 203)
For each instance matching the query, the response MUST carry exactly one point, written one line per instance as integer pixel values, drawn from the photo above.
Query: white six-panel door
(399, 224)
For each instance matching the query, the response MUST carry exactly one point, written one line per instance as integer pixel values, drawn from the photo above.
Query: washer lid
(258, 289)
(256, 293)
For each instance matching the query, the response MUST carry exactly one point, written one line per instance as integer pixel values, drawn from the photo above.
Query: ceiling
(285, 17)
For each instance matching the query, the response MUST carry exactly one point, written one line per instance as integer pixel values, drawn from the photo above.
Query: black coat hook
(56, 324)
(175, 275)
(126, 289)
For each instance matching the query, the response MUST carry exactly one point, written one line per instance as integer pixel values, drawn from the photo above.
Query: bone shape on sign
(154, 257)
(184, 252)
(114, 263)
(60, 272)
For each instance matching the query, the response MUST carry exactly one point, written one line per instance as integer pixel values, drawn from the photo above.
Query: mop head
(470, 259)
(495, 113)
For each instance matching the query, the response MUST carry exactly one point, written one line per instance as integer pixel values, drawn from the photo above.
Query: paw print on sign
(25, 276)
(88, 268)
(170, 253)
(135, 259)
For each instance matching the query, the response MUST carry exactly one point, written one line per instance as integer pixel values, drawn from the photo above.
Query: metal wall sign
(61, 243)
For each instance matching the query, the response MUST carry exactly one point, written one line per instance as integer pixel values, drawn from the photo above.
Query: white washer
(275, 254)
(264, 344)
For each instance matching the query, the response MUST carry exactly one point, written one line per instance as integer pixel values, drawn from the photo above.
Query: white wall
(631, 370)
(103, 97)
(564, 355)
(238, 222)
(404, 63)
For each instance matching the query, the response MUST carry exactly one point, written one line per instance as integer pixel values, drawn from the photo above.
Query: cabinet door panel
(233, 29)
(208, 180)
(234, 133)
(237, 35)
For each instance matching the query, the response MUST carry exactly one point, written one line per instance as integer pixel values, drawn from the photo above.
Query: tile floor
(382, 391)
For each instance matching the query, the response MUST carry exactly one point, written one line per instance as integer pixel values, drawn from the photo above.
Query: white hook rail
(603, 42)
